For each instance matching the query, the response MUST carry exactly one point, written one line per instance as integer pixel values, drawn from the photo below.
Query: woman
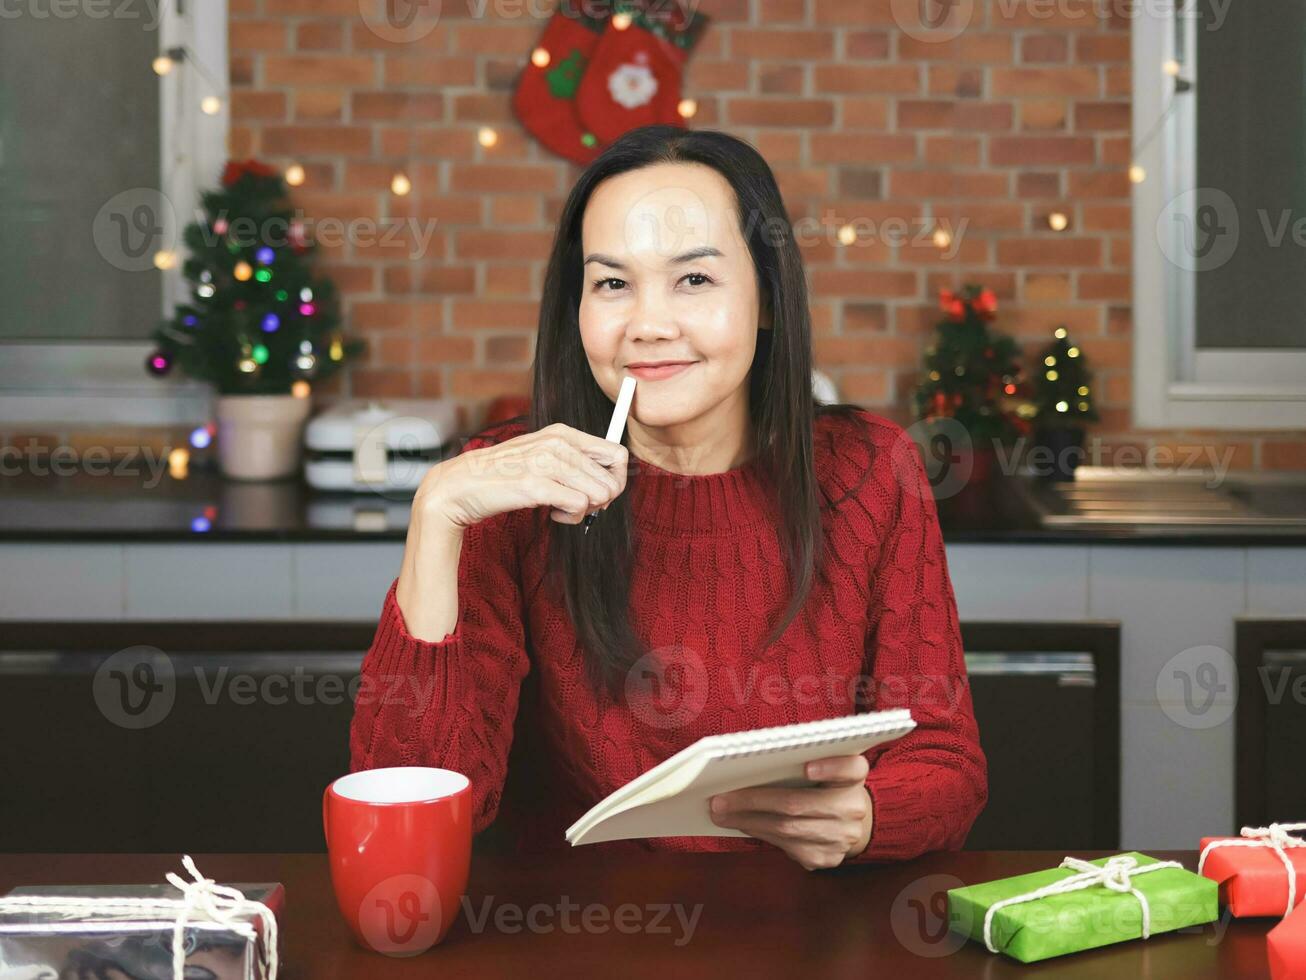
(756, 561)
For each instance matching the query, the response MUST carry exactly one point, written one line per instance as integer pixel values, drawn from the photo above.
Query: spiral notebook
(671, 799)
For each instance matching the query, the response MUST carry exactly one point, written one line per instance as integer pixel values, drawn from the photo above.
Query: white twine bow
(202, 900)
(1275, 837)
(1116, 874)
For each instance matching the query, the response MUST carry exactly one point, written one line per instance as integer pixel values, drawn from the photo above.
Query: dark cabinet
(1270, 722)
(173, 737)
(1046, 700)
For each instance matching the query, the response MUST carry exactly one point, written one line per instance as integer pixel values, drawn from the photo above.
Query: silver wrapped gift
(90, 932)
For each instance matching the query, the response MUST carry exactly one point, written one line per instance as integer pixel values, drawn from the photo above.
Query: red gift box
(1253, 873)
(1287, 947)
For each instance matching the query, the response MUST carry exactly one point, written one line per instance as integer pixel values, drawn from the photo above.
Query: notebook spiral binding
(758, 742)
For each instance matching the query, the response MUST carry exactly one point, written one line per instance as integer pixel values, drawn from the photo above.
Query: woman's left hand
(817, 826)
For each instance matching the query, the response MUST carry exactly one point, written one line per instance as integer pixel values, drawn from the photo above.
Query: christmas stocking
(545, 98)
(633, 79)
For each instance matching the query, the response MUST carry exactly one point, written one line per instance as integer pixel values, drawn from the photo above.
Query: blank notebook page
(671, 799)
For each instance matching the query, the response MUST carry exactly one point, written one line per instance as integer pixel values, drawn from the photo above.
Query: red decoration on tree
(634, 77)
(545, 100)
(236, 169)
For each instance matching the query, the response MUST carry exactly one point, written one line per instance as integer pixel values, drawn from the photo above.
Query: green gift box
(1082, 905)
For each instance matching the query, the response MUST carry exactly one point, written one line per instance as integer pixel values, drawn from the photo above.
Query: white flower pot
(260, 437)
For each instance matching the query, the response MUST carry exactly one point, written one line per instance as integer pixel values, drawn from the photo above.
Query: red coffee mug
(400, 847)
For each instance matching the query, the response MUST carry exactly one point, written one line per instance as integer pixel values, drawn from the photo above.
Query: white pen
(616, 428)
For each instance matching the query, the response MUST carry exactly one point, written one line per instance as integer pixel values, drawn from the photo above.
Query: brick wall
(1024, 114)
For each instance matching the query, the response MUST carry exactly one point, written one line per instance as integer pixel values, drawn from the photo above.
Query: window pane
(79, 125)
(1251, 127)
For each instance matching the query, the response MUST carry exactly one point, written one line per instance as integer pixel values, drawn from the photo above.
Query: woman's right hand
(559, 467)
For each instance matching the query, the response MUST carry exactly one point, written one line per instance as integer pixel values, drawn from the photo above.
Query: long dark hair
(595, 568)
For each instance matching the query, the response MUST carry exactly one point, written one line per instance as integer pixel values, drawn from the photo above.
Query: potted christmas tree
(1063, 398)
(259, 326)
(970, 376)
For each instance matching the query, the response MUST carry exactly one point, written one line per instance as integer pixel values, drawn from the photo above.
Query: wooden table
(750, 915)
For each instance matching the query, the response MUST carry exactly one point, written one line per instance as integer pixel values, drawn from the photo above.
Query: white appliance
(384, 445)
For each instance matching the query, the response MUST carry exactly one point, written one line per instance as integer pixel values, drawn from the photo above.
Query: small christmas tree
(972, 374)
(258, 320)
(1063, 393)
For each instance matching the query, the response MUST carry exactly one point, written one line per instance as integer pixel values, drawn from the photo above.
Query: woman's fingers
(606, 454)
(832, 803)
(839, 770)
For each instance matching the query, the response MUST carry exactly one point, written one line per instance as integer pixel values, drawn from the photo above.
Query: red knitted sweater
(878, 631)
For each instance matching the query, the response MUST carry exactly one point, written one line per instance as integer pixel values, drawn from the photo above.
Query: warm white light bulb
(295, 175)
(164, 259)
(540, 58)
(1137, 174)
(211, 105)
(487, 137)
(1057, 221)
(687, 108)
(162, 65)
(400, 184)
(847, 235)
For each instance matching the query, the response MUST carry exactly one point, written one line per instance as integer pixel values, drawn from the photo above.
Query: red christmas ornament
(986, 304)
(235, 169)
(952, 305)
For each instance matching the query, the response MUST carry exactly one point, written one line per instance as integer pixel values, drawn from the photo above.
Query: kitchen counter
(154, 508)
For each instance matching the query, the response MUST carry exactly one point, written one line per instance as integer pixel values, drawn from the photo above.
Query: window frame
(1174, 384)
(104, 382)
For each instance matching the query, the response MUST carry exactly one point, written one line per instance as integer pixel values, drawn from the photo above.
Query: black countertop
(203, 505)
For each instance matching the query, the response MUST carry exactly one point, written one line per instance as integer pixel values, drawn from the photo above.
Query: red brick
(1049, 251)
(780, 112)
(497, 313)
(784, 43)
(336, 70)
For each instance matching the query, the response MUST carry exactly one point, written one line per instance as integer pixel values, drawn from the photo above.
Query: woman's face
(669, 293)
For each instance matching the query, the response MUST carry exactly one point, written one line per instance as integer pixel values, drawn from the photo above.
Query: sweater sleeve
(450, 703)
(927, 787)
